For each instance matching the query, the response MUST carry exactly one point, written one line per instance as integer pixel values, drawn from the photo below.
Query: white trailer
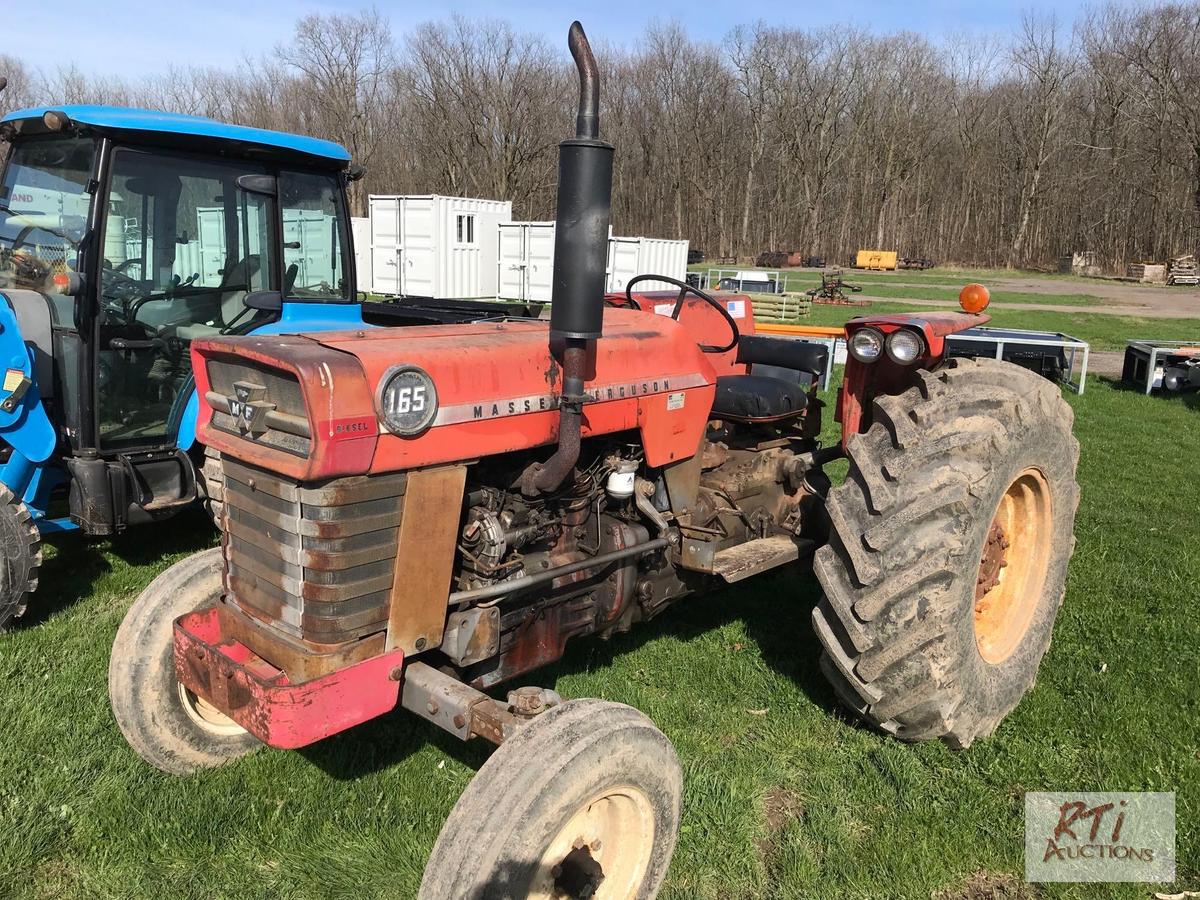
(435, 246)
(526, 261)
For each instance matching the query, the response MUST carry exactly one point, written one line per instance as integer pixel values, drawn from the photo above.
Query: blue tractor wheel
(20, 556)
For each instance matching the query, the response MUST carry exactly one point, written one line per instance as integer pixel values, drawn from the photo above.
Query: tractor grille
(283, 423)
(315, 560)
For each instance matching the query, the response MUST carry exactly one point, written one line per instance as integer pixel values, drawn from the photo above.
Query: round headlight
(407, 400)
(866, 345)
(904, 346)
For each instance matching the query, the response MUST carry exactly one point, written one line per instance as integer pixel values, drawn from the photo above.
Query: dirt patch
(1106, 362)
(989, 886)
(780, 806)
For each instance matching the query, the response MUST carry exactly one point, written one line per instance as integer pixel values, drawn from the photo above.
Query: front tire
(583, 801)
(948, 551)
(20, 556)
(163, 722)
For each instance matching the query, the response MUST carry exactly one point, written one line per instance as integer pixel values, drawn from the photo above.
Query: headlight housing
(407, 400)
(904, 346)
(866, 345)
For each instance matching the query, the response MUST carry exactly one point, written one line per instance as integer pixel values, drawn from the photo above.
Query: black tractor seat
(782, 373)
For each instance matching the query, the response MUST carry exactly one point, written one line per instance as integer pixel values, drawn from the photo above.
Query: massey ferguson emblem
(249, 408)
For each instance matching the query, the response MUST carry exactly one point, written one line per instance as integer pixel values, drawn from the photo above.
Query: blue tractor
(124, 235)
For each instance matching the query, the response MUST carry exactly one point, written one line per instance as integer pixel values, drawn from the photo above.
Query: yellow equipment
(876, 259)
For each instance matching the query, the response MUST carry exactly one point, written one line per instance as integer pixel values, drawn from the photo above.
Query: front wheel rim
(602, 852)
(206, 716)
(1013, 566)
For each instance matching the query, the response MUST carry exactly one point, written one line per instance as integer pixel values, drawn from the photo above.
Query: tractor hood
(309, 406)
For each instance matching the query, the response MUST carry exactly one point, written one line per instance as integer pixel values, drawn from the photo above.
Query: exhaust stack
(584, 200)
(580, 255)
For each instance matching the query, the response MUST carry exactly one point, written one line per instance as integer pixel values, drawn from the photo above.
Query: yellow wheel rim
(1013, 566)
(604, 849)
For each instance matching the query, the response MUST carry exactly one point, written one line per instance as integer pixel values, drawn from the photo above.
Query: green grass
(943, 275)
(731, 678)
(924, 292)
(902, 288)
(923, 286)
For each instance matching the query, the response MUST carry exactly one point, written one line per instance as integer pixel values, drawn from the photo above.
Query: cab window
(44, 206)
(314, 237)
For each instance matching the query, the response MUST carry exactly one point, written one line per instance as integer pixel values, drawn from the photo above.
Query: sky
(132, 38)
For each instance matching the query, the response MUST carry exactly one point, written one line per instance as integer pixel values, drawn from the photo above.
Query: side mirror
(259, 184)
(355, 172)
(268, 301)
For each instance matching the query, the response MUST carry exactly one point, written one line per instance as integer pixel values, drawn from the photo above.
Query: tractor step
(736, 563)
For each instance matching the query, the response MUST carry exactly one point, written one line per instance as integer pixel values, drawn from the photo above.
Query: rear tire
(963, 485)
(20, 556)
(586, 789)
(164, 723)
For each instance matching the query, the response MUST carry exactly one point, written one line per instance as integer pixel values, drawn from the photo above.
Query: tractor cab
(135, 233)
(124, 236)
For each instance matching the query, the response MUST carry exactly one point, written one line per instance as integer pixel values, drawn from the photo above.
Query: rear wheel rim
(206, 716)
(1013, 566)
(602, 852)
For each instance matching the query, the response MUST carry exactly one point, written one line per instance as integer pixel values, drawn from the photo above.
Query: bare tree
(343, 63)
(1044, 67)
(826, 140)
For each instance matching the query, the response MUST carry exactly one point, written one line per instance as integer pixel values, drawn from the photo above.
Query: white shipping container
(435, 246)
(526, 262)
(360, 237)
(629, 257)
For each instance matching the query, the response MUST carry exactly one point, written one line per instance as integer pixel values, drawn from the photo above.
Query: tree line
(1007, 150)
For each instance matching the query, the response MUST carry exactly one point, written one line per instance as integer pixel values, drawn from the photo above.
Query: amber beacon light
(974, 298)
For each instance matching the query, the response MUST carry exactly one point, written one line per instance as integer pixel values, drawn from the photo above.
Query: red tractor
(416, 515)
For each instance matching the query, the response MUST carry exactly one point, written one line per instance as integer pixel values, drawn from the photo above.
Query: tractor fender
(26, 427)
(863, 382)
(297, 318)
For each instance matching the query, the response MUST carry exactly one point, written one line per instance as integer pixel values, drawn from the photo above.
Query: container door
(623, 259)
(307, 243)
(539, 262)
(211, 224)
(512, 263)
(385, 248)
(419, 239)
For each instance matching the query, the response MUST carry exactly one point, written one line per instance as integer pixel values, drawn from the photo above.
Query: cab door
(195, 246)
(199, 247)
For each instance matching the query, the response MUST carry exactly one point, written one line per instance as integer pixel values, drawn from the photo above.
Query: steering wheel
(684, 290)
(116, 285)
(121, 267)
